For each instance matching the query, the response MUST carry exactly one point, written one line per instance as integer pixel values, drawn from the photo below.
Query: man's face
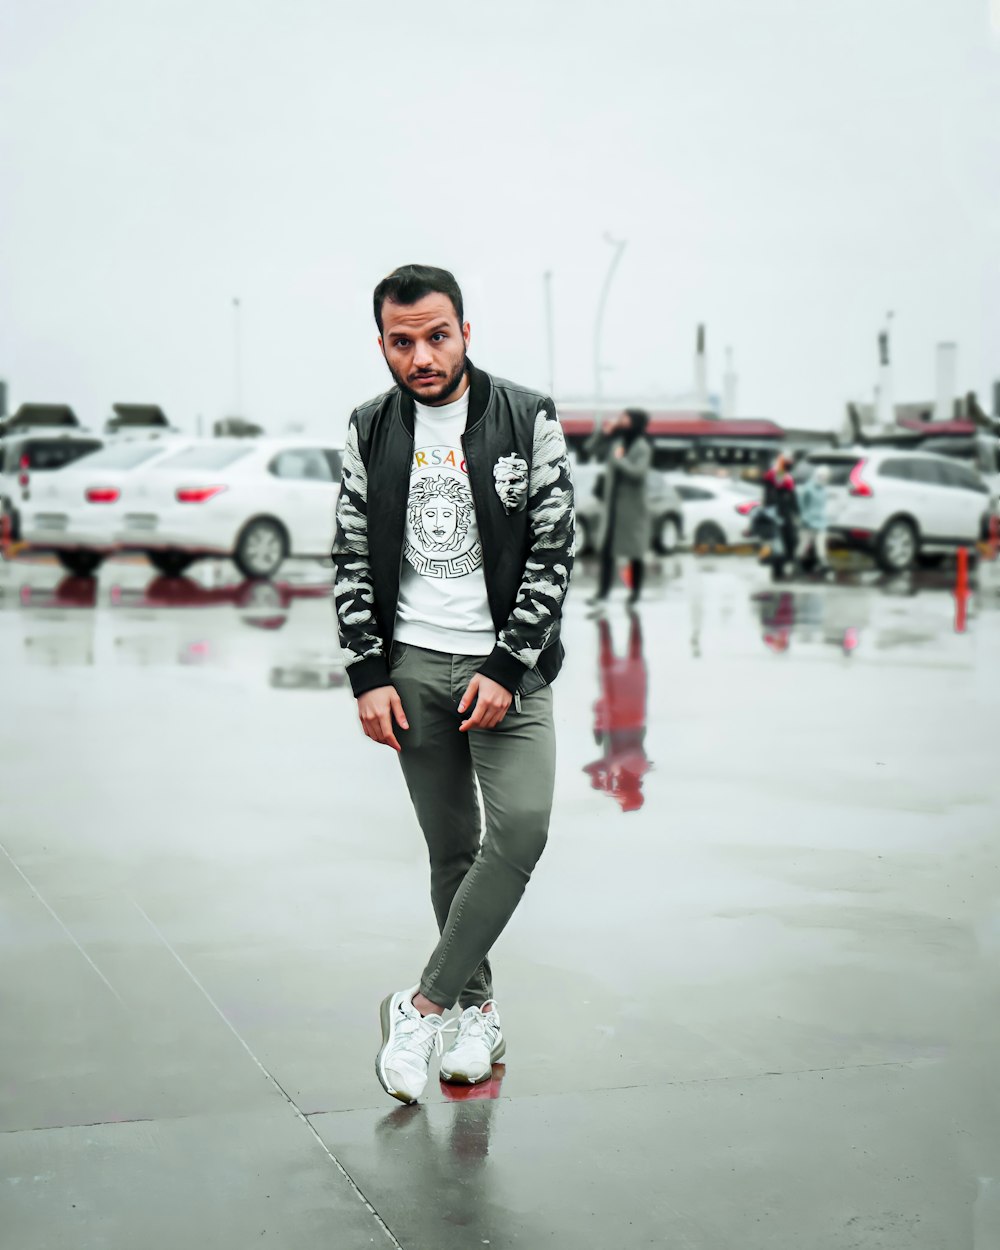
(440, 518)
(424, 347)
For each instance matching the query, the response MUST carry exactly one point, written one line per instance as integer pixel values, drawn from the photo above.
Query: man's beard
(450, 386)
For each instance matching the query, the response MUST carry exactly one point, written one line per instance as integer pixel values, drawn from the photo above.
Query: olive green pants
(477, 876)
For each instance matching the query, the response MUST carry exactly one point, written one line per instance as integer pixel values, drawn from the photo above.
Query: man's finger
(396, 703)
(470, 693)
(385, 730)
(475, 721)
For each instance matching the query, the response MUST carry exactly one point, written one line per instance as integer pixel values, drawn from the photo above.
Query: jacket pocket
(531, 681)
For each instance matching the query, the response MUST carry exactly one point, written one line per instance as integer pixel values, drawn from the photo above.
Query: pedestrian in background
(782, 501)
(812, 511)
(627, 454)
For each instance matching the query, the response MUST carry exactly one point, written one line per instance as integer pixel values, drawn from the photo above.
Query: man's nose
(423, 357)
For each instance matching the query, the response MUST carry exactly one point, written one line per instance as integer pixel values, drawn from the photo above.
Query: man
(452, 558)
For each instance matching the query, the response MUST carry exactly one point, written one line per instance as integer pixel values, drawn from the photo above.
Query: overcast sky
(784, 170)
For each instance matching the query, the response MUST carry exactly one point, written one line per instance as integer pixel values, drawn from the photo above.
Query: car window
(205, 456)
(926, 472)
(335, 461)
(302, 464)
(840, 467)
(122, 456)
(744, 488)
(45, 454)
(961, 478)
(692, 493)
(900, 469)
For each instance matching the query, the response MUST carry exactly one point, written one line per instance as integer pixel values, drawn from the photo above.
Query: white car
(899, 505)
(254, 500)
(716, 509)
(76, 511)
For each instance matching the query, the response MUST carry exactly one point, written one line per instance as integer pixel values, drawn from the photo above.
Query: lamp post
(549, 335)
(619, 247)
(237, 355)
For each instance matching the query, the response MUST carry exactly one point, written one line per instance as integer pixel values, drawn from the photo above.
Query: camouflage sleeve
(534, 621)
(353, 594)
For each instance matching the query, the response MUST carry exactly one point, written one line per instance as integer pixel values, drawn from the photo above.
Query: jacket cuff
(500, 666)
(368, 674)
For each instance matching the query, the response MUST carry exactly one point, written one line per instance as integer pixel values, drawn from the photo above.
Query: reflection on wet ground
(620, 717)
(747, 1000)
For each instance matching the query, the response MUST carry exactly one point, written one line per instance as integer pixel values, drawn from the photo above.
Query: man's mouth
(425, 377)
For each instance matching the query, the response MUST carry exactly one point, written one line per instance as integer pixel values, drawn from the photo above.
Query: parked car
(76, 513)
(716, 509)
(664, 508)
(254, 500)
(26, 461)
(900, 505)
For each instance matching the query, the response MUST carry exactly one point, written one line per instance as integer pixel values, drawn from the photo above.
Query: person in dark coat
(628, 456)
(781, 498)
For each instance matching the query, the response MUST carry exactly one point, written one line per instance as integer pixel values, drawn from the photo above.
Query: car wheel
(261, 548)
(668, 536)
(897, 546)
(172, 563)
(709, 535)
(82, 563)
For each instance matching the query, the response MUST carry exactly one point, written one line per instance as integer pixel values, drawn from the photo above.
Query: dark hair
(639, 418)
(409, 283)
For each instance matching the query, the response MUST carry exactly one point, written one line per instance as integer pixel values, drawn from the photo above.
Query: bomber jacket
(522, 490)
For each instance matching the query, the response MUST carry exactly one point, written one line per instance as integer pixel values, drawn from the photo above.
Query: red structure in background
(620, 719)
(962, 590)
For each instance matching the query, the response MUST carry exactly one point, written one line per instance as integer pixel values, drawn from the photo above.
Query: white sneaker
(408, 1038)
(479, 1044)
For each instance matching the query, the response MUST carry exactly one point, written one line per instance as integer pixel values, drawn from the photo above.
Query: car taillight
(745, 508)
(856, 483)
(23, 476)
(197, 494)
(103, 494)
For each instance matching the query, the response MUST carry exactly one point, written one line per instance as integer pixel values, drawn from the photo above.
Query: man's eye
(439, 334)
(402, 343)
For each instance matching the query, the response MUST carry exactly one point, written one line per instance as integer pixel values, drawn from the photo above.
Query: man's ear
(466, 333)
(381, 346)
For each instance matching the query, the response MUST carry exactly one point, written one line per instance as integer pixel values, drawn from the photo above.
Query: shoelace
(409, 1028)
(475, 1026)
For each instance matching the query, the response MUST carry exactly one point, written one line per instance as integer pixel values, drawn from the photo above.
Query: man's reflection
(620, 718)
(447, 1156)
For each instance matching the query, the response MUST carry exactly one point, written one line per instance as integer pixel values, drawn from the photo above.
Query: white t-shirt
(442, 590)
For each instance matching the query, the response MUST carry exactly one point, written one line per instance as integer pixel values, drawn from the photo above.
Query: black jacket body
(524, 511)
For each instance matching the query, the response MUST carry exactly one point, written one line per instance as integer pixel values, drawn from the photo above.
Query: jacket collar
(480, 397)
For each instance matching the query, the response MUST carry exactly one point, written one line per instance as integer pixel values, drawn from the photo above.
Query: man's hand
(619, 452)
(376, 710)
(492, 701)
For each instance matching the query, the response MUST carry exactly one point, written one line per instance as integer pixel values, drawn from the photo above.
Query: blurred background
(785, 174)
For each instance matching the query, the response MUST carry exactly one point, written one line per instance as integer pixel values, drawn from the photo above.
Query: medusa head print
(440, 516)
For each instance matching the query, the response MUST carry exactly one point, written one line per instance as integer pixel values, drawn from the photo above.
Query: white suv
(902, 504)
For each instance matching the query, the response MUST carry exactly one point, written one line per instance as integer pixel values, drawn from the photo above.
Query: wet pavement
(749, 997)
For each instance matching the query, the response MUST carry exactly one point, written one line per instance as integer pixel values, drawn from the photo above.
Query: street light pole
(619, 246)
(549, 334)
(237, 355)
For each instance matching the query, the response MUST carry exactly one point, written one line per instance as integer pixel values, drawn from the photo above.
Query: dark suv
(22, 455)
